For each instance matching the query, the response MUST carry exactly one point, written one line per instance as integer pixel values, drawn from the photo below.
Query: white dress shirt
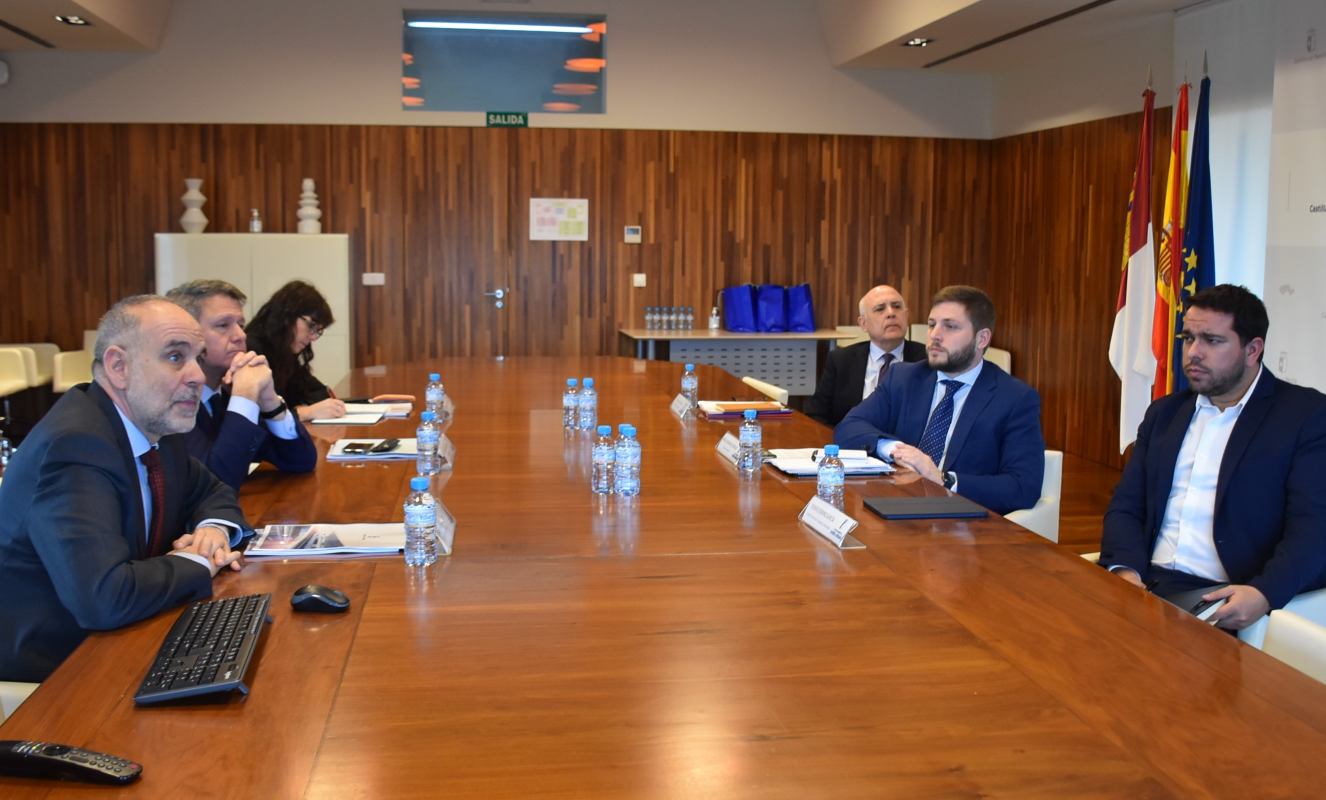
(967, 379)
(1187, 536)
(282, 427)
(139, 444)
(875, 363)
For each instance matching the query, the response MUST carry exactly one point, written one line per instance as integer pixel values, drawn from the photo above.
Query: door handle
(499, 294)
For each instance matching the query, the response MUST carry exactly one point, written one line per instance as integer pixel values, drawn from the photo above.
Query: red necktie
(156, 481)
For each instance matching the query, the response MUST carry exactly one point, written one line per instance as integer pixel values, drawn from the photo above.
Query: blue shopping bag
(800, 309)
(739, 308)
(771, 309)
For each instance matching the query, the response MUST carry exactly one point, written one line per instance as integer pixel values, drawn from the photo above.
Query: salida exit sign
(508, 119)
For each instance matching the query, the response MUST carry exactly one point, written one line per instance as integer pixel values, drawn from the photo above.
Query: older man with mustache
(102, 521)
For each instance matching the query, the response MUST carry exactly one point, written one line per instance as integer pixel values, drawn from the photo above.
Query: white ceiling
(870, 33)
(116, 24)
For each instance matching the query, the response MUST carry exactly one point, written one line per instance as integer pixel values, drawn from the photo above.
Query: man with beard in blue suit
(956, 419)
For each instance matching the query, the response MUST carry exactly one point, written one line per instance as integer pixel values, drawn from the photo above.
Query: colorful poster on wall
(558, 219)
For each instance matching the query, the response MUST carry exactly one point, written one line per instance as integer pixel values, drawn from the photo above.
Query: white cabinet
(261, 263)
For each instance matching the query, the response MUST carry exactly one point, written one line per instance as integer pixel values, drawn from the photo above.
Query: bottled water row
(580, 407)
(616, 464)
(420, 505)
(669, 318)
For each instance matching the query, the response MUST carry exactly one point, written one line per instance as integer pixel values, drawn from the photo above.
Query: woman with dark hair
(284, 330)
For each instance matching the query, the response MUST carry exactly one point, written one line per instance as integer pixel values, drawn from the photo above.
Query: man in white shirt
(1225, 481)
(851, 373)
(104, 518)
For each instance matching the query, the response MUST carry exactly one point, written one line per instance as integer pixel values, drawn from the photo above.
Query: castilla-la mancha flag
(1170, 272)
(1130, 343)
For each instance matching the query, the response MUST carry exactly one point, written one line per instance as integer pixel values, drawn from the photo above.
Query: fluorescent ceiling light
(500, 26)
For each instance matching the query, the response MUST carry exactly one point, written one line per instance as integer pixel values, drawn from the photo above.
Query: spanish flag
(1130, 342)
(1169, 272)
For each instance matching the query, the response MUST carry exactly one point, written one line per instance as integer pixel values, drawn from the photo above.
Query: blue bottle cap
(830, 449)
(690, 367)
(418, 483)
(589, 383)
(434, 376)
(622, 428)
(749, 413)
(630, 430)
(571, 383)
(605, 430)
(427, 416)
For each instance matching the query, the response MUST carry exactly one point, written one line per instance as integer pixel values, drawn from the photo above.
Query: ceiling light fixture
(71, 19)
(499, 26)
(586, 64)
(917, 42)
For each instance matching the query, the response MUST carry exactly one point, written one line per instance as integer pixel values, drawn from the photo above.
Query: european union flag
(1198, 232)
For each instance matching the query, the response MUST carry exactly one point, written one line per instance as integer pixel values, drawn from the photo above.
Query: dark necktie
(883, 368)
(156, 481)
(217, 405)
(936, 431)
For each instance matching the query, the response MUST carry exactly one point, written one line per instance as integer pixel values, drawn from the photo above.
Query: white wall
(1237, 37)
(747, 65)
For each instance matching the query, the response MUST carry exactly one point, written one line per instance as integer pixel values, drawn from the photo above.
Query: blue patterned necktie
(936, 431)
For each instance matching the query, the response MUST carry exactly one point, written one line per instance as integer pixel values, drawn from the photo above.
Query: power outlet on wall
(638, 280)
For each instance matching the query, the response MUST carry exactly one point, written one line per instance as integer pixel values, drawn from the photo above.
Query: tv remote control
(61, 761)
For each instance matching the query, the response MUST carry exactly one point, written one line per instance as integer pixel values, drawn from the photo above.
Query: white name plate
(728, 447)
(446, 530)
(830, 523)
(680, 405)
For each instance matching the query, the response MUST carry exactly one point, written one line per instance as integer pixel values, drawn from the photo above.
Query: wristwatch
(950, 480)
(275, 412)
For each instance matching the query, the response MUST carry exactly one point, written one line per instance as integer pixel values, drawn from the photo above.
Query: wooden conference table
(697, 642)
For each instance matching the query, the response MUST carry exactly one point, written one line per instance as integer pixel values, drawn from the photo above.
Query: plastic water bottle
(830, 476)
(427, 438)
(588, 406)
(689, 317)
(570, 404)
(628, 463)
(435, 397)
(255, 221)
(750, 455)
(714, 321)
(690, 386)
(420, 524)
(604, 457)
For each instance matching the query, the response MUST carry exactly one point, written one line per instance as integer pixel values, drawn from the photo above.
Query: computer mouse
(319, 598)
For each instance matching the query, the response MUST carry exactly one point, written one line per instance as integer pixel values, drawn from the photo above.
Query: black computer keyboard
(207, 650)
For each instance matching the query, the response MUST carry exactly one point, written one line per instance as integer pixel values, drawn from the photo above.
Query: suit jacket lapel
(912, 426)
(857, 378)
(981, 393)
(1167, 445)
(1250, 419)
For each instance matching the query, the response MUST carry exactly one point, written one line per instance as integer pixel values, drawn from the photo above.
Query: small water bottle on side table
(690, 386)
(427, 438)
(435, 396)
(604, 459)
(627, 482)
(588, 406)
(830, 476)
(420, 524)
(714, 322)
(570, 404)
(750, 454)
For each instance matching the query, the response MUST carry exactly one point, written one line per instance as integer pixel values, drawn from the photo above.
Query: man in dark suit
(957, 410)
(852, 373)
(104, 519)
(1225, 481)
(241, 418)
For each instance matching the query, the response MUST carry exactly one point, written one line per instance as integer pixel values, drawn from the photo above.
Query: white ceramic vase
(193, 219)
(309, 214)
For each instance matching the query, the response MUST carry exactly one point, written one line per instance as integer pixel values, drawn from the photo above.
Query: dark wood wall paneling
(1036, 219)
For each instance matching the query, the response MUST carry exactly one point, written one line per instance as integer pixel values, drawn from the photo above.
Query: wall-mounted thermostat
(633, 234)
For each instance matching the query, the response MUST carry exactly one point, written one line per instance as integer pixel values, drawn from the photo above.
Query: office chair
(1299, 642)
(1043, 518)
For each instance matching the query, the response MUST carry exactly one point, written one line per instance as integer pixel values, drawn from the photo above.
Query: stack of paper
(733, 409)
(356, 418)
(316, 540)
(404, 451)
(391, 410)
(806, 462)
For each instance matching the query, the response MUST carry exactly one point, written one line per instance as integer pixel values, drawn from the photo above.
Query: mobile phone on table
(357, 448)
(385, 446)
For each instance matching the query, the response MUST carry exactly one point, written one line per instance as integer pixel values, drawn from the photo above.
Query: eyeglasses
(315, 330)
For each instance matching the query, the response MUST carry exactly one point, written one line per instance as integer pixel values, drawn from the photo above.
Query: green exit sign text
(508, 119)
